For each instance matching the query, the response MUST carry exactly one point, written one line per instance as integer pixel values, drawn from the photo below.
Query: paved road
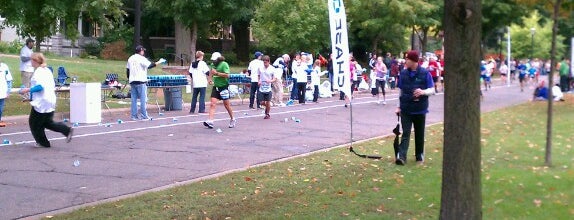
(135, 156)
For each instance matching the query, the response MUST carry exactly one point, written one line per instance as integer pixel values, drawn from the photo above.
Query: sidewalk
(111, 161)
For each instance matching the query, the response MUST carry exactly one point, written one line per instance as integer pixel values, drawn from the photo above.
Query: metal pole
(508, 55)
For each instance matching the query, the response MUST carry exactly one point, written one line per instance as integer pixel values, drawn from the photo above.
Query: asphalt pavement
(109, 161)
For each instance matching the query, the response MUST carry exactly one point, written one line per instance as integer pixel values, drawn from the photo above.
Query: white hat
(286, 57)
(215, 55)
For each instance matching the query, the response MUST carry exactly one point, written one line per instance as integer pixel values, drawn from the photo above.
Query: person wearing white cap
(219, 78)
(253, 69)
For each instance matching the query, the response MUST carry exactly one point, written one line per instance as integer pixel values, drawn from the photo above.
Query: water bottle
(6, 141)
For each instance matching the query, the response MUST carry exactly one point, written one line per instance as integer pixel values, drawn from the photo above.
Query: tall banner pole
(339, 46)
(508, 57)
(340, 54)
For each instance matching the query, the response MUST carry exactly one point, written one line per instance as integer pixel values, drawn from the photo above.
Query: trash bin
(173, 99)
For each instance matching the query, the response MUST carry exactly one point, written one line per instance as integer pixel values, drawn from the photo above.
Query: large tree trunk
(461, 185)
(241, 34)
(183, 44)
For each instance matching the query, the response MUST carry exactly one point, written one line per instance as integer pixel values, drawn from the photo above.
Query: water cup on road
(6, 141)
(120, 121)
(219, 130)
(76, 124)
(174, 119)
(76, 163)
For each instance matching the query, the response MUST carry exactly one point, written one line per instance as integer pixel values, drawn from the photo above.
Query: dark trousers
(253, 96)
(294, 89)
(301, 89)
(41, 121)
(407, 122)
(564, 84)
(315, 93)
(201, 93)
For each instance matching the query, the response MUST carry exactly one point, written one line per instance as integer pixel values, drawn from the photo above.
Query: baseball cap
(258, 54)
(413, 55)
(215, 55)
(139, 48)
(29, 40)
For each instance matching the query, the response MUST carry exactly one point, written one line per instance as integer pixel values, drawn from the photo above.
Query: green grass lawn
(86, 70)
(338, 185)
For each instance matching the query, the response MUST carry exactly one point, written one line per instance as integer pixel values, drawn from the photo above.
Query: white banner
(339, 47)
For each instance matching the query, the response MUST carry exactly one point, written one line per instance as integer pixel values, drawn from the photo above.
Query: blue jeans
(201, 93)
(1, 108)
(139, 91)
(294, 92)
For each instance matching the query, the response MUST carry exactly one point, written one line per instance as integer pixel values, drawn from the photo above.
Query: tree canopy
(41, 19)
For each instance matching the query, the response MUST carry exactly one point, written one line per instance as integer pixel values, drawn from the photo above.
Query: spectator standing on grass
(43, 100)
(5, 86)
(26, 69)
(219, 78)
(266, 79)
(253, 70)
(136, 70)
(564, 71)
(198, 70)
(416, 85)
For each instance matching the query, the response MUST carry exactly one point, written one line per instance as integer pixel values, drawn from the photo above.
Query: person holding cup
(415, 86)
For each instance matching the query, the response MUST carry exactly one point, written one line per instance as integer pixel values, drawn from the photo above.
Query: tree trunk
(241, 34)
(461, 185)
(193, 43)
(548, 155)
(137, 22)
(183, 44)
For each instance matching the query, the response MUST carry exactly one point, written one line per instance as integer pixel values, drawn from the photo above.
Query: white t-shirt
(253, 68)
(198, 74)
(267, 74)
(299, 71)
(43, 101)
(26, 66)
(138, 66)
(5, 77)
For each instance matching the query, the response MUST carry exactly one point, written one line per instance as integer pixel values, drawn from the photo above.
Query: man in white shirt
(137, 67)
(26, 69)
(253, 70)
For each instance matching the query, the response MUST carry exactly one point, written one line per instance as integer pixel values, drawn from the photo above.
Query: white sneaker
(232, 123)
(208, 124)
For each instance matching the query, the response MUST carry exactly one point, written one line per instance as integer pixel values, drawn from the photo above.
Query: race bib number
(265, 87)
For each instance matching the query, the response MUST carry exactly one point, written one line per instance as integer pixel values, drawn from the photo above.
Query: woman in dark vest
(416, 85)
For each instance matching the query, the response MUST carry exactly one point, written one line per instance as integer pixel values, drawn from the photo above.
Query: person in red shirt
(434, 70)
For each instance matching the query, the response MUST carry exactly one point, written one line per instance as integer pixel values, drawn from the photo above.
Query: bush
(11, 47)
(93, 49)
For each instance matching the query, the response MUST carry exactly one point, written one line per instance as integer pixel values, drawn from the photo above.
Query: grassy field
(338, 185)
(86, 70)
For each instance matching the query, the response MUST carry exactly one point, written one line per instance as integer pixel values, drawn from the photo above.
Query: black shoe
(400, 161)
(70, 135)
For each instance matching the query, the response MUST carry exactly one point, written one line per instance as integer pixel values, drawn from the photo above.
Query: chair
(62, 78)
